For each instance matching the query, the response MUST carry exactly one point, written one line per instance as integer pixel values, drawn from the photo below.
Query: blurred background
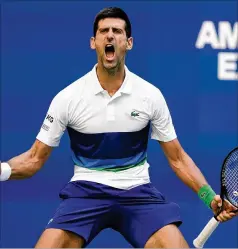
(188, 49)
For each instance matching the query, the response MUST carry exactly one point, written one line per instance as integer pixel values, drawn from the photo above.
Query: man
(107, 114)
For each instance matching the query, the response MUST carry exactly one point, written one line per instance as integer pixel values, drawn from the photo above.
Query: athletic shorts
(88, 207)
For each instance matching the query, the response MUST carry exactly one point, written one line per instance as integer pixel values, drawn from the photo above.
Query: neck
(111, 79)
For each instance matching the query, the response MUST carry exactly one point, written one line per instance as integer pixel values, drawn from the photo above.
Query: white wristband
(5, 172)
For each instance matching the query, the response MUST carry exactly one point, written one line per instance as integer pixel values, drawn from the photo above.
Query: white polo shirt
(109, 135)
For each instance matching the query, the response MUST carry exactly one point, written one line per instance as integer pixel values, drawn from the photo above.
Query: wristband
(206, 194)
(5, 172)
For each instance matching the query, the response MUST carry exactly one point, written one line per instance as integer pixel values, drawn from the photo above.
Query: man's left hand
(227, 212)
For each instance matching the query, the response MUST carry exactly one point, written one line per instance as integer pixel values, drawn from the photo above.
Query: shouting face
(111, 42)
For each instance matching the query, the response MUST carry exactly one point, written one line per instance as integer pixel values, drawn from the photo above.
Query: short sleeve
(162, 125)
(55, 122)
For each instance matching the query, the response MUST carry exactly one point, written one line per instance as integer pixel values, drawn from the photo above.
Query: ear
(92, 43)
(129, 44)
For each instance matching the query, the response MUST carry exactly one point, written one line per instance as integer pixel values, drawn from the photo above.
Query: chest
(103, 113)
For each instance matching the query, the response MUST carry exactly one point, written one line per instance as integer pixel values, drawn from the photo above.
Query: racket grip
(206, 233)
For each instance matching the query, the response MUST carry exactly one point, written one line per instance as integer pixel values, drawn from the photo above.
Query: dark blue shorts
(89, 207)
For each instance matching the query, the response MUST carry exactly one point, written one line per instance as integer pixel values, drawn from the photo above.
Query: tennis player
(108, 113)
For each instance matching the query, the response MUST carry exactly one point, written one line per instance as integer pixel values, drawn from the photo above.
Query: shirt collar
(125, 87)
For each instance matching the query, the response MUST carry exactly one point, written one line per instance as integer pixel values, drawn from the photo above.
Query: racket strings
(231, 177)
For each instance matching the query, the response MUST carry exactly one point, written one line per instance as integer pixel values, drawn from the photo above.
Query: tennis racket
(229, 190)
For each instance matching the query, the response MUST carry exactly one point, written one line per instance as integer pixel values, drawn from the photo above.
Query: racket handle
(206, 233)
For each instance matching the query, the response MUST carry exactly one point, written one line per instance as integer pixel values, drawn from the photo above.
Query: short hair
(112, 12)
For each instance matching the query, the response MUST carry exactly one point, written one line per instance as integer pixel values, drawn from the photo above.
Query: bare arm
(183, 165)
(28, 163)
(189, 173)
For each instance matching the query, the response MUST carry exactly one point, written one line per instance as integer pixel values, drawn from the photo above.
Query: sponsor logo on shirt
(49, 118)
(135, 114)
(45, 127)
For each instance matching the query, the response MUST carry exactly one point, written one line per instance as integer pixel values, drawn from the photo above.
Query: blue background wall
(45, 46)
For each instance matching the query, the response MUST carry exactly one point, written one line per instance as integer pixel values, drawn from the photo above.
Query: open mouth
(109, 51)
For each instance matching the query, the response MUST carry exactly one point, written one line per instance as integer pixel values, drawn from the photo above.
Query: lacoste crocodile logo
(135, 114)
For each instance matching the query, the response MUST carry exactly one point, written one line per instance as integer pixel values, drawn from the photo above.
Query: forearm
(188, 172)
(28, 163)
(24, 165)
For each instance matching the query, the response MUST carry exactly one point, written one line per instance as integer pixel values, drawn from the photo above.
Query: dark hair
(112, 12)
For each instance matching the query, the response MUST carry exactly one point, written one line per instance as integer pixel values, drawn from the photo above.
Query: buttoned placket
(110, 104)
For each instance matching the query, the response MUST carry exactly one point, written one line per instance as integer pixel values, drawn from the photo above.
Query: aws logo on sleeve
(49, 118)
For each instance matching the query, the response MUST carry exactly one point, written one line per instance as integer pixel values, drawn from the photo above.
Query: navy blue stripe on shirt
(112, 145)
